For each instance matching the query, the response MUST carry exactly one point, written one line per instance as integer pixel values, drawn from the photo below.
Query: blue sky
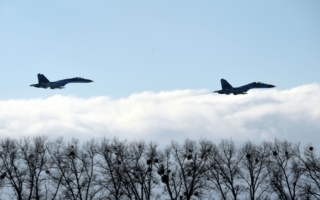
(154, 65)
(134, 46)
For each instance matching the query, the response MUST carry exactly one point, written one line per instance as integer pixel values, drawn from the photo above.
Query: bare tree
(73, 169)
(128, 169)
(285, 174)
(254, 171)
(170, 174)
(225, 170)
(109, 169)
(35, 168)
(35, 158)
(23, 163)
(13, 167)
(310, 165)
(187, 172)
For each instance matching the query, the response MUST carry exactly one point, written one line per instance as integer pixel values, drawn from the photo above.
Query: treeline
(111, 169)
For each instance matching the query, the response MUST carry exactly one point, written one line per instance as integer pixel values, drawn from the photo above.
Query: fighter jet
(227, 88)
(45, 83)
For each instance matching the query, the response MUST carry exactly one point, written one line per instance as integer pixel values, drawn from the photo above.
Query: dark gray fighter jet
(227, 88)
(45, 83)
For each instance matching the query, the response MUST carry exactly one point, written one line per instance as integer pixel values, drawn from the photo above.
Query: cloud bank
(170, 115)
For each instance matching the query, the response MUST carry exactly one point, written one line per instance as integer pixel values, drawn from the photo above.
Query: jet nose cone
(88, 81)
(270, 86)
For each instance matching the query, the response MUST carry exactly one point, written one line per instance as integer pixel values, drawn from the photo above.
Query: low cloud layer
(170, 115)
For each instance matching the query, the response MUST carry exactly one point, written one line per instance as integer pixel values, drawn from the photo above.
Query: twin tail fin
(225, 84)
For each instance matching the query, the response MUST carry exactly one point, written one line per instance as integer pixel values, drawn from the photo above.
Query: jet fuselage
(52, 85)
(45, 83)
(228, 89)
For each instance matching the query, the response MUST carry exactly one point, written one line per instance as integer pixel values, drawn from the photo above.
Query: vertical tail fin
(42, 79)
(225, 84)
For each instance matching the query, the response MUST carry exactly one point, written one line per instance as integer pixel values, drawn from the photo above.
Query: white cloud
(262, 114)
